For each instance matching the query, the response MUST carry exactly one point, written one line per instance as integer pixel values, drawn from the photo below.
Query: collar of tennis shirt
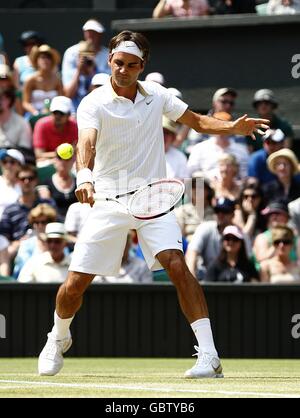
(141, 91)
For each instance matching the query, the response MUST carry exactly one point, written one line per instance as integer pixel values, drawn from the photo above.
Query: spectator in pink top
(181, 8)
(53, 130)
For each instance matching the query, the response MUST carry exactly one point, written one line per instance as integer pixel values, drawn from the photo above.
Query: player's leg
(68, 302)
(194, 307)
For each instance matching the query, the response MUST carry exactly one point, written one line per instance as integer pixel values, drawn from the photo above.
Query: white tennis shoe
(207, 366)
(51, 358)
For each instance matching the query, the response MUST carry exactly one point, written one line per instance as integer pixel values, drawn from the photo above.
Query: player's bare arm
(210, 125)
(85, 157)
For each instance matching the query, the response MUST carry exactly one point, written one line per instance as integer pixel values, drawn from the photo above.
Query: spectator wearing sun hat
(76, 69)
(285, 165)
(44, 84)
(273, 141)
(99, 80)
(232, 264)
(55, 129)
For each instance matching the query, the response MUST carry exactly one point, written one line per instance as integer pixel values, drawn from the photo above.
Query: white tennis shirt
(130, 145)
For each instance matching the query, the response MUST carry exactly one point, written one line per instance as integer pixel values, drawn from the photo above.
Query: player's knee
(175, 265)
(73, 287)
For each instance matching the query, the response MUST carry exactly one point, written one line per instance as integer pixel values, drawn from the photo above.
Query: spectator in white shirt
(283, 7)
(52, 265)
(205, 156)
(176, 160)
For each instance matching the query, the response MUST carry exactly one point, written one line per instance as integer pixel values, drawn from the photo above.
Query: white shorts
(102, 240)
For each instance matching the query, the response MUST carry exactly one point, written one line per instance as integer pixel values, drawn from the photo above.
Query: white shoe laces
(53, 348)
(203, 358)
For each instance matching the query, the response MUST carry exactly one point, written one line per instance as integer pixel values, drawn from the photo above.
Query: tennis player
(121, 144)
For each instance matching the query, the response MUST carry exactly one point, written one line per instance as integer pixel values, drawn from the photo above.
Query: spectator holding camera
(83, 60)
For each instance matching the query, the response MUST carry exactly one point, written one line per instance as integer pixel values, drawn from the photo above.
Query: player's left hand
(248, 126)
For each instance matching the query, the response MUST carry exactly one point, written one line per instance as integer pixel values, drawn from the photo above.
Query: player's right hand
(85, 193)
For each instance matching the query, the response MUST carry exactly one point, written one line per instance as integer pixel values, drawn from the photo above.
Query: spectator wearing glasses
(53, 130)
(14, 222)
(285, 165)
(205, 243)
(248, 212)
(11, 162)
(15, 132)
(52, 265)
(280, 268)
(232, 264)
(273, 141)
(266, 104)
(23, 67)
(38, 218)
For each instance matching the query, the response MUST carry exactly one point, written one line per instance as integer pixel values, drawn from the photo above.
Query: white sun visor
(130, 48)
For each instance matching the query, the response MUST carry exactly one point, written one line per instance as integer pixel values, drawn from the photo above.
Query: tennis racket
(151, 201)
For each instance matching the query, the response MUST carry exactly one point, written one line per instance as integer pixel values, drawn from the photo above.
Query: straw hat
(285, 153)
(44, 49)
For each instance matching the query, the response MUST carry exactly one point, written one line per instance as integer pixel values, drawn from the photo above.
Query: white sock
(203, 333)
(60, 330)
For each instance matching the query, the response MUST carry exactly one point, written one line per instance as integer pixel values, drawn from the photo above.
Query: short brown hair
(43, 209)
(10, 93)
(140, 40)
(29, 167)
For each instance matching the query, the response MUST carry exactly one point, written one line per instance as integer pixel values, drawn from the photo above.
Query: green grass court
(153, 378)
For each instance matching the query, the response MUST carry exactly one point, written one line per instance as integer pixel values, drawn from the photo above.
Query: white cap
(61, 104)
(233, 230)
(100, 79)
(175, 92)
(275, 135)
(15, 154)
(55, 230)
(225, 90)
(156, 77)
(93, 25)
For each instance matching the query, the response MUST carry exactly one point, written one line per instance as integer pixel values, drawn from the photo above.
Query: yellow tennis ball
(65, 151)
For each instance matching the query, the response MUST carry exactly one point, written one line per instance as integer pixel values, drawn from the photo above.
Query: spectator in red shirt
(51, 131)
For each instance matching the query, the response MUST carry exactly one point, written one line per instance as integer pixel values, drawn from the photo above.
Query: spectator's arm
(181, 136)
(27, 92)
(27, 274)
(161, 10)
(191, 261)
(261, 248)
(265, 272)
(4, 263)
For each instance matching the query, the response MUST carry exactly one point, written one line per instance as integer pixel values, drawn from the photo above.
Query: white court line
(147, 389)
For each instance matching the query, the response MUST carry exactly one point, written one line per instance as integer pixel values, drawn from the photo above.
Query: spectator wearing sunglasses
(14, 222)
(280, 268)
(52, 265)
(232, 264)
(53, 130)
(38, 218)
(11, 162)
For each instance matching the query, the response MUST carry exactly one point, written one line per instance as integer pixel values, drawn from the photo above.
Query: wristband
(84, 175)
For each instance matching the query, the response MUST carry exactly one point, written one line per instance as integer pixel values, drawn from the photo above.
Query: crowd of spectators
(240, 219)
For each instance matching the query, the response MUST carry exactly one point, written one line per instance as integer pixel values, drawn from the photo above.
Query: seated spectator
(266, 104)
(14, 222)
(205, 156)
(61, 186)
(76, 214)
(52, 265)
(181, 8)
(190, 215)
(15, 132)
(156, 78)
(234, 6)
(76, 72)
(4, 257)
(232, 264)
(280, 268)
(283, 7)
(44, 84)
(205, 242)
(99, 80)
(53, 130)
(223, 101)
(23, 67)
(285, 165)
(38, 218)
(133, 269)
(7, 82)
(294, 210)
(277, 213)
(248, 211)
(273, 141)
(11, 162)
(225, 183)
(175, 159)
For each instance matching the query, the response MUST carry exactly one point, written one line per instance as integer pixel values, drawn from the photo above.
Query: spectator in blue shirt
(273, 141)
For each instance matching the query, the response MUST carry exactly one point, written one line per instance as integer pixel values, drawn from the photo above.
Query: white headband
(130, 48)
